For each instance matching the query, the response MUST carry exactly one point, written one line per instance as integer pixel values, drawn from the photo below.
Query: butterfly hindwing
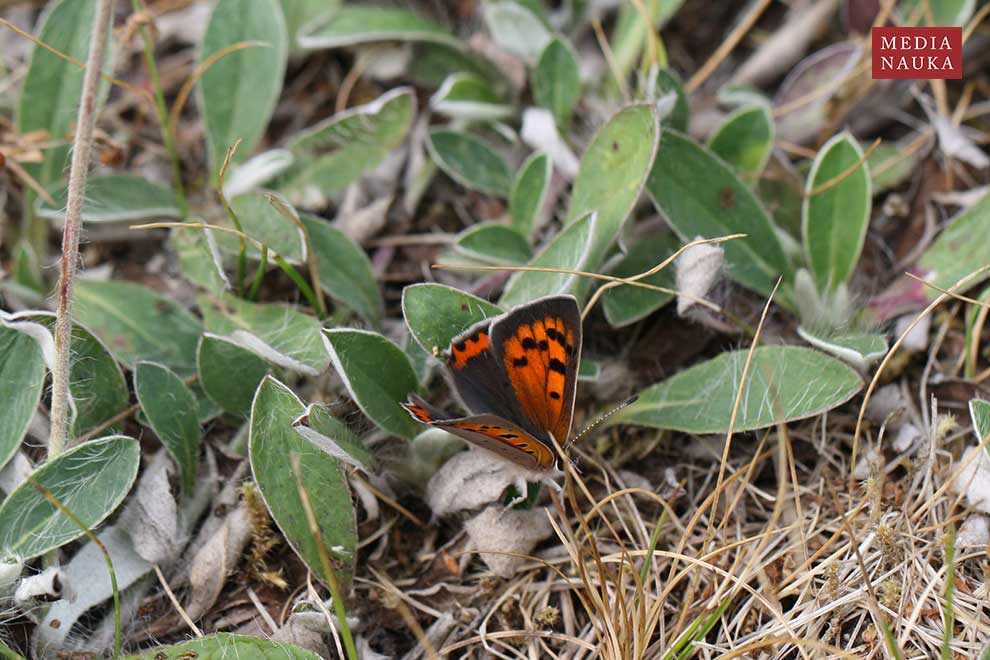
(490, 432)
(539, 346)
(501, 436)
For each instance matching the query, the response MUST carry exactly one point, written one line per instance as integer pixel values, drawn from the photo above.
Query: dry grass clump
(790, 551)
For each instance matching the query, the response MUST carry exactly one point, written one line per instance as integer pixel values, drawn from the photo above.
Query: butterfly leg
(522, 487)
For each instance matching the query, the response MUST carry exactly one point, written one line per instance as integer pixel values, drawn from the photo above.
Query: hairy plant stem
(81, 148)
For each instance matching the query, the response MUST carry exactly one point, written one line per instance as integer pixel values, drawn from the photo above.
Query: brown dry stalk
(727, 46)
(81, 148)
(842, 176)
(68, 58)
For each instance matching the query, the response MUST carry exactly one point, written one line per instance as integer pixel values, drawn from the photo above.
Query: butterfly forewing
(478, 375)
(518, 374)
(539, 345)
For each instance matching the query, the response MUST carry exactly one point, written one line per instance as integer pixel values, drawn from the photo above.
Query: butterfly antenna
(595, 424)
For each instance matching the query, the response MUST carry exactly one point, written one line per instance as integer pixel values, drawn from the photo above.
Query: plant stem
(81, 148)
(328, 575)
(167, 135)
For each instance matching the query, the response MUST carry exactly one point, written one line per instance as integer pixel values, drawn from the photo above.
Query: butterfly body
(517, 374)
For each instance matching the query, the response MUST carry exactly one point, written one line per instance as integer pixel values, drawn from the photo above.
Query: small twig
(175, 602)
(258, 605)
(839, 178)
(957, 296)
(242, 255)
(28, 180)
(71, 60)
(82, 146)
(610, 58)
(730, 42)
(409, 515)
(289, 213)
(190, 83)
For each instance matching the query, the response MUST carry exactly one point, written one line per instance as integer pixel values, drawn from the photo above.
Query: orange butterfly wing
(490, 432)
(540, 348)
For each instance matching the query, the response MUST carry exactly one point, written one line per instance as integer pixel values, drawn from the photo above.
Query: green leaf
(49, 99)
(278, 334)
(378, 126)
(239, 91)
(27, 268)
(7, 653)
(137, 323)
(421, 361)
(700, 196)
(115, 198)
(667, 81)
(589, 370)
(301, 12)
(569, 250)
(470, 162)
(529, 192)
(333, 153)
(517, 29)
(613, 171)
(957, 252)
(626, 304)
(781, 192)
(435, 313)
(224, 645)
(557, 80)
(22, 377)
(834, 221)
(256, 171)
(170, 408)
(331, 435)
(979, 413)
(785, 383)
(858, 349)
(228, 373)
(945, 12)
(90, 480)
(344, 269)
(745, 140)
(96, 381)
(200, 260)
(471, 98)
(261, 221)
(354, 24)
(272, 444)
(494, 243)
(629, 34)
(378, 376)
(433, 63)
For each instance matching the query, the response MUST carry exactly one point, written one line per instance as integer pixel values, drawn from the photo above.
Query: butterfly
(517, 374)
